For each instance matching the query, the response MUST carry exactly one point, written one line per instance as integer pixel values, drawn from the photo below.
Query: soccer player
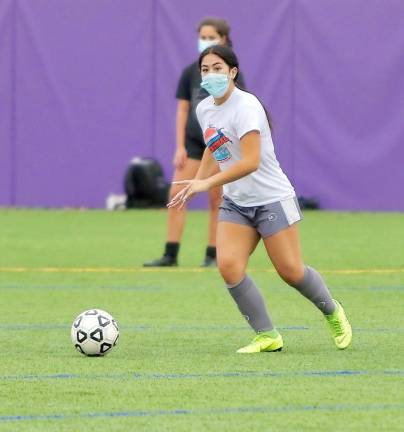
(190, 146)
(259, 202)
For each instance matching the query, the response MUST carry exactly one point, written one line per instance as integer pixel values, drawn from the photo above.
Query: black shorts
(194, 148)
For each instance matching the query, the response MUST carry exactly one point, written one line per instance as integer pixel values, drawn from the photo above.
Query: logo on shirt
(216, 141)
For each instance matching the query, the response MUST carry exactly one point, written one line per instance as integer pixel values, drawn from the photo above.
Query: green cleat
(263, 342)
(340, 328)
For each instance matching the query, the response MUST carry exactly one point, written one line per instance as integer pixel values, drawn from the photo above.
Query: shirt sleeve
(184, 85)
(247, 120)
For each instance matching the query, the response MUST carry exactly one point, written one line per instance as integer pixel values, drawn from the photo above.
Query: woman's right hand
(191, 188)
(180, 158)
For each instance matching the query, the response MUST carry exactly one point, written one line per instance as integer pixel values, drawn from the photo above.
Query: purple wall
(87, 85)
(349, 103)
(6, 101)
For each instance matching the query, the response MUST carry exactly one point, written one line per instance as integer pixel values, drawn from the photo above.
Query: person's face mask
(206, 43)
(216, 84)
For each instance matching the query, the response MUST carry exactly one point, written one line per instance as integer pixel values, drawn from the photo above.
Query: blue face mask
(216, 84)
(206, 43)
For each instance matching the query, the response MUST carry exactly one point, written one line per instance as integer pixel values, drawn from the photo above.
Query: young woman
(258, 202)
(190, 146)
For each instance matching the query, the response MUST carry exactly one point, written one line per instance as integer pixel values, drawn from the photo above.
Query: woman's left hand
(191, 188)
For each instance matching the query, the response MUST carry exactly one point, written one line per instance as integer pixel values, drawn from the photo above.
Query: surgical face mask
(206, 43)
(216, 84)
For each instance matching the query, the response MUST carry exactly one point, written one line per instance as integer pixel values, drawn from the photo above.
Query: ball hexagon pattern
(94, 332)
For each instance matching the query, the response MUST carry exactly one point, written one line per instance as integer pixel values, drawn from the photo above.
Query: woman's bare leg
(235, 243)
(176, 218)
(283, 248)
(215, 198)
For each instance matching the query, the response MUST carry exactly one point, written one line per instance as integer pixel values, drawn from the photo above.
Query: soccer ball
(94, 332)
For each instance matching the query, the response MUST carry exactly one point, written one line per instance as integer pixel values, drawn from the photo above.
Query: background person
(190, 146)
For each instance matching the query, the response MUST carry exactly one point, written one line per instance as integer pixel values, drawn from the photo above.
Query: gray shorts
(267, 219)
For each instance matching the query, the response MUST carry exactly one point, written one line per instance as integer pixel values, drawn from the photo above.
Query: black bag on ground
(308, 203)
(145, 185)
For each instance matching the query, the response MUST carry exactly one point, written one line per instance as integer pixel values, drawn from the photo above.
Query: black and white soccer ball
(94, 332)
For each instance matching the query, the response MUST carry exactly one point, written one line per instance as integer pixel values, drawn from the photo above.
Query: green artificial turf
(175, 367)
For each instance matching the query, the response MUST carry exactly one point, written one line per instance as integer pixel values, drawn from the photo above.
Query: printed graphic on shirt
(216, 141)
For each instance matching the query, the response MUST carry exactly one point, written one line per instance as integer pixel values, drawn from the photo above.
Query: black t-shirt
(189, 89)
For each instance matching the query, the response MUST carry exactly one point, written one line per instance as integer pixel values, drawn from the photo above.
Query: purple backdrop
(6, 103)
(87, 85)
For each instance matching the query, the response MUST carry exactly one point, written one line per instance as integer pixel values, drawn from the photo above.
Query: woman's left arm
(207, 167)
(250, 145)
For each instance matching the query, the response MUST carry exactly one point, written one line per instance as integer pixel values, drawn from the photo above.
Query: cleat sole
(275, 350)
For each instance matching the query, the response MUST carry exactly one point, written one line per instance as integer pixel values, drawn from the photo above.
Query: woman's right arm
(180, 156)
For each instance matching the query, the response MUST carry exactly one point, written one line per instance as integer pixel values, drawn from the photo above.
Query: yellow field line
(175, 270)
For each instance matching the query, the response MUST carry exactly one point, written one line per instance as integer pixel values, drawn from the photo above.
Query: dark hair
(225, 53)
(230, 58)
(220, 25)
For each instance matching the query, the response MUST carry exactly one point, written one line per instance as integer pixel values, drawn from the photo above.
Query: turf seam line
(229, 374)
(207, 411)
(175, 270)
(185, 328)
